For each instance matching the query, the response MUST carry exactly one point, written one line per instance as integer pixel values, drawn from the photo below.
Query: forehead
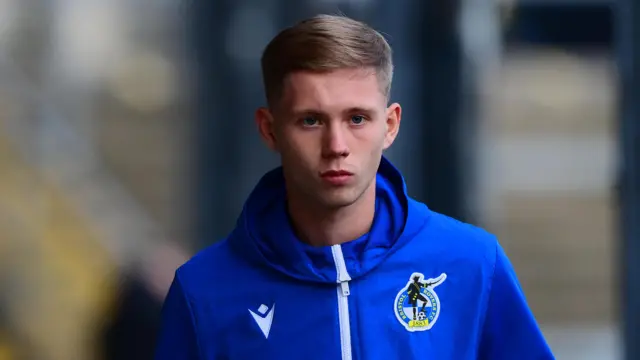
(332, 91)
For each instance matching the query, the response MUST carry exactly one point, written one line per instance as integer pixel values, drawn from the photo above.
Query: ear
(264, 121)
(394, 115)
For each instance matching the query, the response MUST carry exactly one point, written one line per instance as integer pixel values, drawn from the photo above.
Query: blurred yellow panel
(49, 249)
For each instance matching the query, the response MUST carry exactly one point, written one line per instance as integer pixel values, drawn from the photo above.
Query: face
(330, 130)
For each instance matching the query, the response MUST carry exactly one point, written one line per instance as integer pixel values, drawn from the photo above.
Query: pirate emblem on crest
(417, 305)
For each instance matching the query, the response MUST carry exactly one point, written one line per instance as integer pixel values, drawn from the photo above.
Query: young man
(331, 259)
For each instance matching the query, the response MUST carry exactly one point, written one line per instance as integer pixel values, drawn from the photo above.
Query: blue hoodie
(418, 285)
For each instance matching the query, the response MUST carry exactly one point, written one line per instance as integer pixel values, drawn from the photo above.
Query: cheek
(284, 137)
(373, 136)
(296, 143)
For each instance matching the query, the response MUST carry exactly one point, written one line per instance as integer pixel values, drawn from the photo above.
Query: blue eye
(309, 121)
(357, 119)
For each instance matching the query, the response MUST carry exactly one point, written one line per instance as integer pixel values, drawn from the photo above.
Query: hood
(264, 234)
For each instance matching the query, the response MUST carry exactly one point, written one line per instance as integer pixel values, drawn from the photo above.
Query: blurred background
(127, 144)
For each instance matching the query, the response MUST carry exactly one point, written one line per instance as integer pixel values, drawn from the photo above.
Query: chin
(339, 199)
(338, 203)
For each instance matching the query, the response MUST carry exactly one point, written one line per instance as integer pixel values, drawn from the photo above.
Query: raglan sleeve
(177, 338)
(510, 329)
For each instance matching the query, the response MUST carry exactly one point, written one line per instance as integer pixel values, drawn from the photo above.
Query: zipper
(343, 279)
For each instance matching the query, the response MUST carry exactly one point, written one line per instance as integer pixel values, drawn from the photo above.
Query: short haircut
(321, 44)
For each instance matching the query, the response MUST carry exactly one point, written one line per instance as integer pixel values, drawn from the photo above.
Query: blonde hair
(324, 43)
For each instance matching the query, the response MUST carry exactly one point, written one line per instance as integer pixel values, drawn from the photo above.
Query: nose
(334, 142)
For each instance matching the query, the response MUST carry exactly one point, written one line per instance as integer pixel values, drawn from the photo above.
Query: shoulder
(459, 231)
(455, 240)
(208, 266)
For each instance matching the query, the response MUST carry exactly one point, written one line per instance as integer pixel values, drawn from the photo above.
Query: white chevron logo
(264, 318)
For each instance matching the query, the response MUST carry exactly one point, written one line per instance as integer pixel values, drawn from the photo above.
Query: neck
(320, 226)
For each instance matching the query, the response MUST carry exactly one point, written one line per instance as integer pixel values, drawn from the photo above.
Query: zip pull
(344, 286)
(341, 270)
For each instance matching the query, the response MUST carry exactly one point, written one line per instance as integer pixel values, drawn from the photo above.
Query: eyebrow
(351, 110)
(360, 110)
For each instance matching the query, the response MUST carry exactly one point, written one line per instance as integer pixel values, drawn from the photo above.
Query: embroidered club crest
(417, 305)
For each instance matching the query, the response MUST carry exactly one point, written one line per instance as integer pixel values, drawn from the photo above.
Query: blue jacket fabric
(418, 285)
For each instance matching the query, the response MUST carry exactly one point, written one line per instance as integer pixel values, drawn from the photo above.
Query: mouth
(332, 173)
(337, 177)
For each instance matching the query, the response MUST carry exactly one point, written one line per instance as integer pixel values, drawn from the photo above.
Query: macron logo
(264, 318)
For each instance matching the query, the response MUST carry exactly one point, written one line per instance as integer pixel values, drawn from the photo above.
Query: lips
(333, 173)
(337, 177)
